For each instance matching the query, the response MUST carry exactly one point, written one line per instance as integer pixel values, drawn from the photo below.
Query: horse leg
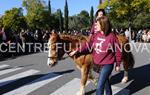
(125, 77)
(91, 77)
(84, 77)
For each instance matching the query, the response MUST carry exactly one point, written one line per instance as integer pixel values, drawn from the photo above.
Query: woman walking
(105, 52)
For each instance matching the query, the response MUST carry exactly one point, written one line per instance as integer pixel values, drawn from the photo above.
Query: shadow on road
(14, 84)
(140, 77)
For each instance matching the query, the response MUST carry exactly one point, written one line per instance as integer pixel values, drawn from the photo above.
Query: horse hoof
(95, 82)
(80, 93)
(124, 80)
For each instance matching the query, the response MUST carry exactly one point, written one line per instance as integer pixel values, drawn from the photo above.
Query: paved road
(29, 75)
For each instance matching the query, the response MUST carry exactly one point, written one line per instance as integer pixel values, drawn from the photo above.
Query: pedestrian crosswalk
(17, 77)
(9, 70)
(3, 66)
(64, 90)
(28, 88)
(71, 87)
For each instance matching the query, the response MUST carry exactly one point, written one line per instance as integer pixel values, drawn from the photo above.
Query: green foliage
(1, 22)
(84, 19)
(84, 13)
(91, 15)
(60, 20)
(125, 13)
(80, 21)
(77, 23)
(13, 19)
(103, 5)
(49, 6)
(66, 13)
(142, 21)
(35, 10)
(74, 23)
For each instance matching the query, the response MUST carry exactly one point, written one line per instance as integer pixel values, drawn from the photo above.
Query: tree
(13, 19)
(35, 9)
(1, 22)
(66, 13)
(84, 13)
(100, 1)
(55, 21)
(142, 21)
(80, 21)
(75, 23)
(60, 21)
(84, 19)
(126, 10)
(91, 15)
(49, 6)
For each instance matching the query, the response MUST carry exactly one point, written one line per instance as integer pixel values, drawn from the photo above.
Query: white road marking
(3, 66)
(9, 70)
(17, 76)
(30, 87)
(70, 88)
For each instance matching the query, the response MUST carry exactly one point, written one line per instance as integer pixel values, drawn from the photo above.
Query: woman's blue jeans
(103, 81)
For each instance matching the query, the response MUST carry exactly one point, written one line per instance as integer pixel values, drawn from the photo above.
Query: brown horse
(61, 44)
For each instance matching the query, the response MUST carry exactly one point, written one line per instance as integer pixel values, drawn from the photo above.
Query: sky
(74, 6)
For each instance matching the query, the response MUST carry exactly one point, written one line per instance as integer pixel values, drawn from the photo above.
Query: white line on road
(30, 87)
(70, 88)
(119, 91)
(17, 76)
(3, 66)
(9, 70)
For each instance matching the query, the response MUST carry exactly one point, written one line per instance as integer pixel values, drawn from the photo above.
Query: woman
(105, 52)
(99, 13)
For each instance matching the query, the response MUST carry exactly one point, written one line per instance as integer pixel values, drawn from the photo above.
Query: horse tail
(131, 60)
(128, 58)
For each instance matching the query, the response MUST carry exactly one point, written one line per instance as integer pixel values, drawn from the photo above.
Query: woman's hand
(72, 53)
(117, 68)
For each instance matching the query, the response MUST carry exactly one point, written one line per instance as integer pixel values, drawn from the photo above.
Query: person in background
(99, 13)
(127, 33)
(4, 38)
(104, 53)
(148, 36)
(144, 36)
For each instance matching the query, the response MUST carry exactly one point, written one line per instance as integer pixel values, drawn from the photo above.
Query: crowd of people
(25, 39)
(143, 36)
(38, 36)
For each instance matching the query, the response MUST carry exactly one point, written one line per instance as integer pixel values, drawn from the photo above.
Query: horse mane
(73, 38)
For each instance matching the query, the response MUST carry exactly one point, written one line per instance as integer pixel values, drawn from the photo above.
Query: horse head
(55, 51)
(59, 44)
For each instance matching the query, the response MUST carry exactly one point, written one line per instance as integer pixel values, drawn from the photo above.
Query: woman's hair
(105, 25)
(100, 10)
